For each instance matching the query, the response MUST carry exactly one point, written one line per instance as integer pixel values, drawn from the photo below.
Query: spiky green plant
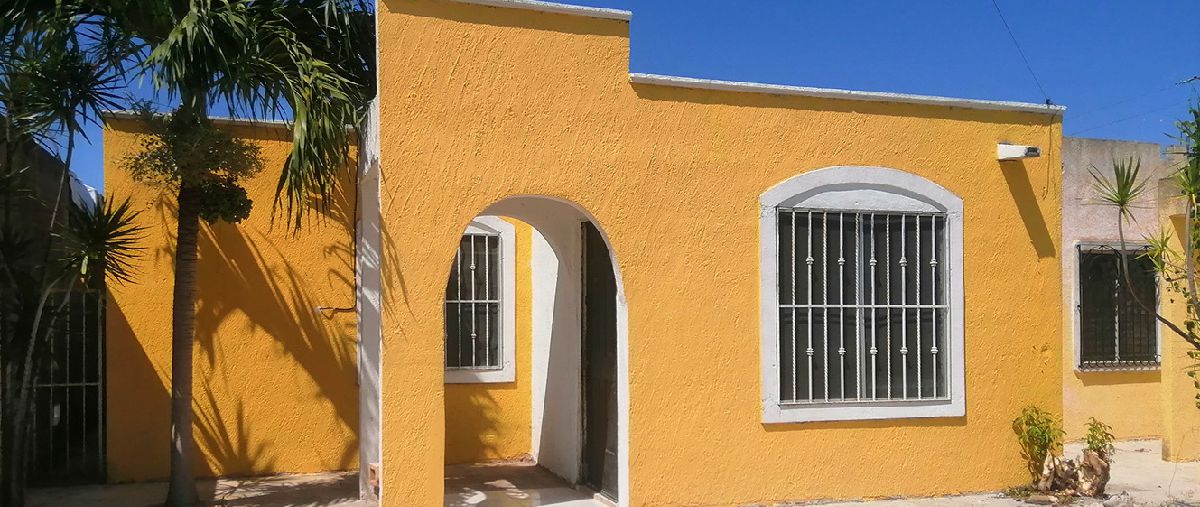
(103, 242)
(1124, 189)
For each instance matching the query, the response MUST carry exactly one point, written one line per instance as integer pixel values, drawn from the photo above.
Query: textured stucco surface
(1129, 401)
(1180, 412)
(275, 380)
(491, 421)
(482, 103)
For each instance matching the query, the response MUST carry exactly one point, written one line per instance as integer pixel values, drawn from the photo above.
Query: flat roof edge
(557, 8)
(835, 93)
(218, 120)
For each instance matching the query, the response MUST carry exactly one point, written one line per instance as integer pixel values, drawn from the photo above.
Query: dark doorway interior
(599, 365)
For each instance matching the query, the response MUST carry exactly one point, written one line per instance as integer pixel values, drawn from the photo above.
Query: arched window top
(862, 188)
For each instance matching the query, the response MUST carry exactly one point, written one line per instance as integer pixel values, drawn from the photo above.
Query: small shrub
(1039, 433)
(1099, 439)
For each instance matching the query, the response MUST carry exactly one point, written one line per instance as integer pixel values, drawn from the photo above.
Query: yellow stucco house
(671, 291)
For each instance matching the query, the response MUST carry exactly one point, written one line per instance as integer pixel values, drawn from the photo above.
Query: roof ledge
(557, 8)
(834, 93)
(120, 114)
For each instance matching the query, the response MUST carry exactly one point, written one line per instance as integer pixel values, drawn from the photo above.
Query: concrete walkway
(1139, 478)
(511, 485)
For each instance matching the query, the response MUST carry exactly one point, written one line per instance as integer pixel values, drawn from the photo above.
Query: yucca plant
(1177, 269)
(52, 83)
(1124, 192)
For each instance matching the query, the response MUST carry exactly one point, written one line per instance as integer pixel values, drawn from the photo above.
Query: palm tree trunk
(182, 491)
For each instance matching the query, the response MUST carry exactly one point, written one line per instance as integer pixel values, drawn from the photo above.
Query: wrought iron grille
(863, 306)
(1115, 331)
(473, 304)
(68, 417)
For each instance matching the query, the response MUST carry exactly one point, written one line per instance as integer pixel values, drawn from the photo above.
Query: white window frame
(507, 372)
(1079, 247)
(857, 188)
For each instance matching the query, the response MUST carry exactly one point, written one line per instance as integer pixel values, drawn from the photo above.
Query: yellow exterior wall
(487, 422)
(275, 381)
(480, 103)
(1180, 409)
(1128, 401)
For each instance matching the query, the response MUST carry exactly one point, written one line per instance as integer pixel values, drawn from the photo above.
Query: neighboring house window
(479, 328)
(1115, 331)
(862, 294)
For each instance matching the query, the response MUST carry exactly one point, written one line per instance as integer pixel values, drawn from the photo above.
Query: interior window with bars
(863, 306)
(1114, 329)
(473, 305)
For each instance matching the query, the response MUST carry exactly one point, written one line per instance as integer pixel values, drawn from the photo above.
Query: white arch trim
(525, 207)
(857, 188)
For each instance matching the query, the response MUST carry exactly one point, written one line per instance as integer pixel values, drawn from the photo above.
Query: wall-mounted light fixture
(1005, 151)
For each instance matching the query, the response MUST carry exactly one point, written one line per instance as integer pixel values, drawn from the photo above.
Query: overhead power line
(1110, 105)
(1029, 67)
(1124, 119)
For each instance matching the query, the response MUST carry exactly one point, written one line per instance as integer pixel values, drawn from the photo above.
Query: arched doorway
(569, 350)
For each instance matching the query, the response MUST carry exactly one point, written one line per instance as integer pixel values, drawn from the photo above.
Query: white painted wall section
(368, 293)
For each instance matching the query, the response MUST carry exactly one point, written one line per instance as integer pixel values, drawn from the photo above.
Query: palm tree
(312, 59)
(310, 56)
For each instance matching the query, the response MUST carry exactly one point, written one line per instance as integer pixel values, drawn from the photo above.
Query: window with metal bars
(473, 304)
(862, 306)
(479, 304)
(861, 277)
(1115, 330)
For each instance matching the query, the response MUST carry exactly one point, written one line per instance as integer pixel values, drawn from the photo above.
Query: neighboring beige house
(1111, 349)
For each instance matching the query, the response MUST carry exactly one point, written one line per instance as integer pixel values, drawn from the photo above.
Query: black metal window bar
(863, 306)
(473, 305)
(1115, 331)
(69, 400)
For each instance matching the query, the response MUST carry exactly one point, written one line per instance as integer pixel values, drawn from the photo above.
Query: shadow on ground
(292, 490)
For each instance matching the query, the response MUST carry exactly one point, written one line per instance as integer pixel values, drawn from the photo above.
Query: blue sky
(1114, 64)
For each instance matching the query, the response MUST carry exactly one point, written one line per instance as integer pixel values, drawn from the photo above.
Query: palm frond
(1124, 189)
(1188, 175)
(311, 58)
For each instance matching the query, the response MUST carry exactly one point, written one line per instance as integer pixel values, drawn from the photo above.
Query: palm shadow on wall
(472, 414)
(145, 411)
(305, 304)
(298, 289)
